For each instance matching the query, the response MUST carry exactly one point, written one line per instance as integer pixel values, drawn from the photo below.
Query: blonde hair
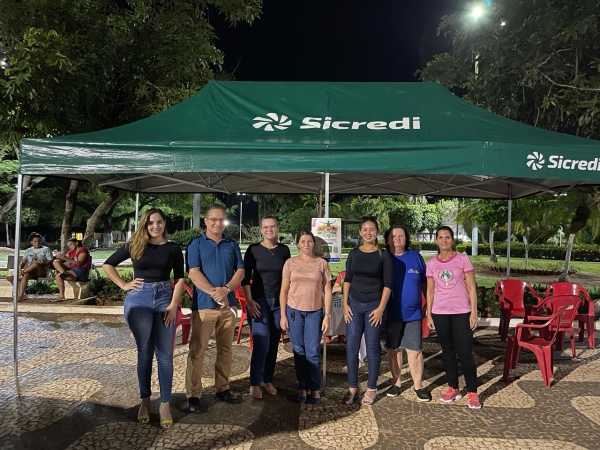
(139, 241)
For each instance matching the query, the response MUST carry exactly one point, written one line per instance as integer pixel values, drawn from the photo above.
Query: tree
(71, 198)
(72, 67)
(433, 218)
(537, 64)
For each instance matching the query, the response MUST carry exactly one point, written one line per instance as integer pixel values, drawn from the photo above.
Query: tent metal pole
(327, 195)
(509, 231)
(137, 209)
(16, 275)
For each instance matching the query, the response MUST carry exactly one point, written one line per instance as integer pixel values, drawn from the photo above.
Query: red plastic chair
(540, 345)
(585, 317)
(424, 327)
(511, 295)
(239, 294)
(569, 304)
(183, 320)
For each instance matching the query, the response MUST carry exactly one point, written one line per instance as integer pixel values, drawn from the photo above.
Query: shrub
(183, 238)
(347, 243)
(587, 252)
(41, 287)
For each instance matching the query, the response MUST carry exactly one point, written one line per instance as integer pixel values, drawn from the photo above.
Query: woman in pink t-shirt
(306, 280)
(452, 312)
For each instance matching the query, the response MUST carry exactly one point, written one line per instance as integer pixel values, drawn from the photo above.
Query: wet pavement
(77, 390)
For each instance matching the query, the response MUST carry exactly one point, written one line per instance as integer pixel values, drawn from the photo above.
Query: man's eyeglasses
(215, 219)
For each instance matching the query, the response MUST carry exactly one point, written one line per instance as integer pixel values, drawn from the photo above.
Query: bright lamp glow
(226, 223)
(477, 12)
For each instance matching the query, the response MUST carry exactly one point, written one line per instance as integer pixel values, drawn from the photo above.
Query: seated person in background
(74, 266)
(34, 264)
(337, 287)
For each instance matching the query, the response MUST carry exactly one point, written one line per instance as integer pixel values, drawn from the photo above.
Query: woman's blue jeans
(354, 330)
(266, 330)
(144, 313)
(305, 334)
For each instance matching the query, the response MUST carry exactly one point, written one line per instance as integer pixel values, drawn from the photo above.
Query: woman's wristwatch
(328, 315)
(229, 291)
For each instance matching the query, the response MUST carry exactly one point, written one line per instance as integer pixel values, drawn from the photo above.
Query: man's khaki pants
(204, 322)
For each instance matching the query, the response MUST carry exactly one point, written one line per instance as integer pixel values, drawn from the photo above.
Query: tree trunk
(28, 184)
(107, 239)
(7, 235)
(196, 214)
(565, 275)
(67, 223)
(526, 244)
(88, 237)
(493, 257)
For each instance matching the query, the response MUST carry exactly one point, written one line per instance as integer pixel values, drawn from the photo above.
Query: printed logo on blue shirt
(416, 271)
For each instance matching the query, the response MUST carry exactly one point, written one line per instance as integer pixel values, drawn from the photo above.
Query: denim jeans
(456, 339)
(266, 330)
(305, 333)
(144, 312)
(354, 330)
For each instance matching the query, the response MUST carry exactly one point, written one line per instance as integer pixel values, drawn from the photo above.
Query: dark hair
(368, 219)
(372, 219)
(34, 235)
(269, 217)
(74, 240)
(304, 233)
(388, 233)
(215, 206)
(449, 230)
(444, 228)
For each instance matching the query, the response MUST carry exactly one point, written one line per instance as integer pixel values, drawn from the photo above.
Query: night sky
(336, 40)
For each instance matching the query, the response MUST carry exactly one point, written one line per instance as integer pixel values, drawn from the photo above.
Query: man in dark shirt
(216, 268)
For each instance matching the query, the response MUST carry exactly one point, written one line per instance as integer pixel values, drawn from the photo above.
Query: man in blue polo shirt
(216, 268)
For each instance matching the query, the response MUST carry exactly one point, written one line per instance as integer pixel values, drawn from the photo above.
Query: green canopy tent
(345, 138)
(373, 138)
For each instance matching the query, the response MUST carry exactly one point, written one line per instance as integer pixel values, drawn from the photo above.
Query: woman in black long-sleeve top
(367, 288)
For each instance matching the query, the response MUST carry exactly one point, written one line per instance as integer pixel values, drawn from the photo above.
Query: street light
(477, 12)
(241, 213)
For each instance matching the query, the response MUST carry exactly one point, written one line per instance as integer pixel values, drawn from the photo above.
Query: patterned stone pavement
(77, 390)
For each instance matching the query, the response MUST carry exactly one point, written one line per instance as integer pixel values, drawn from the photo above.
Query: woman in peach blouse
(306, 280)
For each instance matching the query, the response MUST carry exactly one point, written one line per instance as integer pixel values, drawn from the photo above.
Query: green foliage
(183, 238)
(105, 289)
(587, 252)
(540, 68)
(41, 287)
(232, 231)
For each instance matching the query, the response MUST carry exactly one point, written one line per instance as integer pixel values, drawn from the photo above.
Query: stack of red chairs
(585, 315)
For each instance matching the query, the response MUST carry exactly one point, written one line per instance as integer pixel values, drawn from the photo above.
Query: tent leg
(326, 195)
(137, 209)
(324, 364)
(16, 274)
(509, 231)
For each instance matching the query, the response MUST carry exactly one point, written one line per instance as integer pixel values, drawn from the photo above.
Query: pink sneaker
(450, 395)
(474, 402)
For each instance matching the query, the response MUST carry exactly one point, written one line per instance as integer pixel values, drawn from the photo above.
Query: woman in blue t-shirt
(403, 328)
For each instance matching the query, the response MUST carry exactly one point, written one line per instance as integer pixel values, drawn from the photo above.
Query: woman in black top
(264, 263)
(367, 288)
(151, 305)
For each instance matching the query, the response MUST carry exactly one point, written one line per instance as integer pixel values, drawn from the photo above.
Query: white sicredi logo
(272, 122)
(535, 161)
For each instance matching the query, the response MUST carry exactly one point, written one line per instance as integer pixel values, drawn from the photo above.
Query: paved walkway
(78, 390)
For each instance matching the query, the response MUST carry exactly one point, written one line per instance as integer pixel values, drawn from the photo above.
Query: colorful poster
(328, 238)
